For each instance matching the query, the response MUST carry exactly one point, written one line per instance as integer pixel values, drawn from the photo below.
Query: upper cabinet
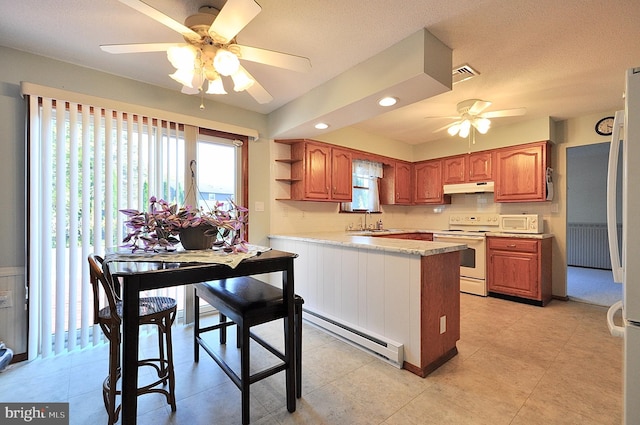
(520, 174)
(428, 183)
(474, 167)
(341, 174)
(319, 172)
(454, 169)
(480, 166)
(395, 186)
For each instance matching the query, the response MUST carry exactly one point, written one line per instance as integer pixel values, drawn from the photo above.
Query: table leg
(288, 287)
(130, 343)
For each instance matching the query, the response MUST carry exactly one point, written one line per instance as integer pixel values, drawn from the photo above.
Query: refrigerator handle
(612, 174)
(614, 329)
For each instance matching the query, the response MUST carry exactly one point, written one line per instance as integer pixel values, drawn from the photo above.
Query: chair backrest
(102, 285)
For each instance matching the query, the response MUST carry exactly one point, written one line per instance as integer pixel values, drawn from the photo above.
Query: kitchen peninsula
(399, 298)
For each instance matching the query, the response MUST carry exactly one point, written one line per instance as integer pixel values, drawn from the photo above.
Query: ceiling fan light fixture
(182, 57)
(226, 62)
(482, 124)
(465, 126)
(215, 86)
(184, 76)
(453, 130)
(241, 80)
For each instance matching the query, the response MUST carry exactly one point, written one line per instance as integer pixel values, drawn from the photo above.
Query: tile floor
(517, 364)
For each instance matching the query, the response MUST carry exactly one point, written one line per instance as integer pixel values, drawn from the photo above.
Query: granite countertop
(360, 240)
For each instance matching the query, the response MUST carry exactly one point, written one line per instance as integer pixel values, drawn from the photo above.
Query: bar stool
(249, 302)
(157, 311)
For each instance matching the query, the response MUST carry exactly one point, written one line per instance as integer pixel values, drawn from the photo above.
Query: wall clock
(604, 127)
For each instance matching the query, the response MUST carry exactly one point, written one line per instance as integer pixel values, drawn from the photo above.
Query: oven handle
(458, 237)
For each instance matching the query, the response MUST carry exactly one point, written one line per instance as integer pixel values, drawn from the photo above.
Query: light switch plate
(259, 206)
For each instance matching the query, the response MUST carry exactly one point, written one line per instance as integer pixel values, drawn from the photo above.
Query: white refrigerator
(626, 264)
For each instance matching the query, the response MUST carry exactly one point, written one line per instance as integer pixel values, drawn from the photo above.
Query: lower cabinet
(519, 267)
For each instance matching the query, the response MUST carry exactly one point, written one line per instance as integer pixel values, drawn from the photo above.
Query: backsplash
(300, 216)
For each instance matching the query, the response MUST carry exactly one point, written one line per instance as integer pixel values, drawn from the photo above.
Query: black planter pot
(195, 238)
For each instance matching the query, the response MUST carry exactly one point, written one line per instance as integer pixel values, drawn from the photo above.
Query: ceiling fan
(211, 50)
(471, 118)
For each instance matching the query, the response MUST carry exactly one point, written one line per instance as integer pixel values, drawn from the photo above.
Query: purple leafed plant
(159, 228)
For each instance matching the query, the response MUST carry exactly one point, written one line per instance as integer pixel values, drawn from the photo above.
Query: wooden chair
(157, 311)
(249, 302)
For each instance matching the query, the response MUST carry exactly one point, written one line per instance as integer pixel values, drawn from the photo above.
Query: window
(365, 192)
(85, 163)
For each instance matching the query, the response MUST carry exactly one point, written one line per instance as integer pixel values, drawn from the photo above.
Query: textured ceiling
(558, 59)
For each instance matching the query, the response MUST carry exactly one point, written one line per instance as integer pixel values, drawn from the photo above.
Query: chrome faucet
(365, 219)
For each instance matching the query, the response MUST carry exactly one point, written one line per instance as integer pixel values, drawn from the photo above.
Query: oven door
(472, 261)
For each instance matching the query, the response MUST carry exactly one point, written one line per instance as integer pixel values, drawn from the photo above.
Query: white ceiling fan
(211, 50)
(471, 118)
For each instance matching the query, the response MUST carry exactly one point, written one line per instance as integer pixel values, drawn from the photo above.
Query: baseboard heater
(390, 350)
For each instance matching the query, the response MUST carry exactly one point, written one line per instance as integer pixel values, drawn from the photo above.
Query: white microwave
(521, 223)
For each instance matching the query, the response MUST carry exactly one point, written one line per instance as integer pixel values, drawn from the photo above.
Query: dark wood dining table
(147, 274)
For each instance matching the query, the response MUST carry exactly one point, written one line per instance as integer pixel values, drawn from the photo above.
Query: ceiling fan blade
(259, 93)
(505, 113)
(273, 58)
(446, 126)
(479, 106)
(138, 48)
(161, 17)
(234, 16)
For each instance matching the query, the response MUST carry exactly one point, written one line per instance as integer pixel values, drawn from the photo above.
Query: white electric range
(471, 230)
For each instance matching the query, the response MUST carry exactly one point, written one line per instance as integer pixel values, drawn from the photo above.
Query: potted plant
(165, 225)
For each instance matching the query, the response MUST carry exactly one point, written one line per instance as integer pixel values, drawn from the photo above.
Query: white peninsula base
(403, 304)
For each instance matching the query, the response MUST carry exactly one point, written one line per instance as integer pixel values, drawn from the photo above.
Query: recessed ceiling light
(322, 126)
(387, 101)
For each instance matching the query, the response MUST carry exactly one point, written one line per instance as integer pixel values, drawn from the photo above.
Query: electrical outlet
(443, 324)
(5, 299)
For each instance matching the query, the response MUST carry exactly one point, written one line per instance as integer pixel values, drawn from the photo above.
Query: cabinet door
(514, 273)
(341, 175)
(454, 169)
(403, 183)
(428, 182)
(520, 173)
(479, 165)
(317, 173)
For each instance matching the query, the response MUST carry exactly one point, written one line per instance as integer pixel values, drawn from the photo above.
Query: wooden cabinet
(428, 183)
(474, 167)
(521, 172)
(395, 186)
(454, 169)
(480, 166)
(519, 267)
(319, 172)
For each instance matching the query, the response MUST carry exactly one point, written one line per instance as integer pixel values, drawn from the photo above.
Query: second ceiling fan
(211, 51)
(471, 117)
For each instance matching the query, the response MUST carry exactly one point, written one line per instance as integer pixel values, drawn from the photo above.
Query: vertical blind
(86, 163)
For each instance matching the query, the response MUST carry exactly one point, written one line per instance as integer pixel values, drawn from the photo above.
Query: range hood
(476, 187)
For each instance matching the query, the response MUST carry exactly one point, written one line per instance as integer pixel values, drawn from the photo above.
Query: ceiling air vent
(463, 73)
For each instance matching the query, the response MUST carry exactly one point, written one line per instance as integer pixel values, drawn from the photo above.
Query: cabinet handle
(511, 245)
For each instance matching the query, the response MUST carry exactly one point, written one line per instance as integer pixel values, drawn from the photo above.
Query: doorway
(589, 276)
